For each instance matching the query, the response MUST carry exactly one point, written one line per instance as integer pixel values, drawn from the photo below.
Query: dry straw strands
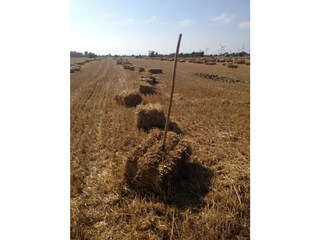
(149, 168)
(129, 98)
(150, 116)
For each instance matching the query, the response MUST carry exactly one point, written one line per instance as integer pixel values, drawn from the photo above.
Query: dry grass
(212, 198)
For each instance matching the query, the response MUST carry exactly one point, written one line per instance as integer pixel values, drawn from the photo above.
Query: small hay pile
(131, 68)
(146, 89)
(210, 63)
(241, 61)
(77, 68)
(140, 69)
(126, 66)
(72, 70)
(149, 168)
(155, 71)
(231, 65)
(129, 98)
(150, 116)
(149, 79)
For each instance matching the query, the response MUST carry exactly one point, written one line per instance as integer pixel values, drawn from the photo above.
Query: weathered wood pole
(172, 90)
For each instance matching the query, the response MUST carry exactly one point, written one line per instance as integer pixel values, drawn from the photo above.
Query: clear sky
(136, 26)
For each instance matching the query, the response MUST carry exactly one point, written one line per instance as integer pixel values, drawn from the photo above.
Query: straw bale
(129, 98)
(210, 63)
(150, 116)
(150, 168)
(231, 65)
(146, 89)
(140, 69)
(72, 70)
(242, 61)
(155, 71)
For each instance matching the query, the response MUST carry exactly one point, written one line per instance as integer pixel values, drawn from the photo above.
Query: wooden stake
(171, 96)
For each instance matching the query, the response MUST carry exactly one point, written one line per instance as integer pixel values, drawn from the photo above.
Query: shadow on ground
(188, 190)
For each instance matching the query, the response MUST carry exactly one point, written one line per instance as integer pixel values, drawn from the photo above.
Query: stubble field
(213, 114)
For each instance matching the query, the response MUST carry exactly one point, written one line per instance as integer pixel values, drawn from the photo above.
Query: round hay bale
(146, 89)
(155, 71)
(129, 98)
(150, 116)
(150, 168)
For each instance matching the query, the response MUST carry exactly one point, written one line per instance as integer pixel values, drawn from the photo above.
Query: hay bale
(242, 61)
(146, 89)
(72, 70)
(126, 66)
(231, 65)
(140, 69)
(77, 68)
(129, 98)
(131, 68)
(150, 116)
(155, 71)
(149, 168)
(210, 63)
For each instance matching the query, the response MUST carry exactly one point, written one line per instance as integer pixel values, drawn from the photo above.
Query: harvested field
(210, 198)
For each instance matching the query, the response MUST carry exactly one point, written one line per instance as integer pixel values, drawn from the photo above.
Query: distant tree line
(85, 54)
(193, 54)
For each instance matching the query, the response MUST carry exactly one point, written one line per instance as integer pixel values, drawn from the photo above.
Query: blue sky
(136, 26)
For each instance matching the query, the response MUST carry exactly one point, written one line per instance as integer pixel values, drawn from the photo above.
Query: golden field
(214, 116)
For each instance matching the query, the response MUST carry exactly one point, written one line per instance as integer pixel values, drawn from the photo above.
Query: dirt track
(213, 115)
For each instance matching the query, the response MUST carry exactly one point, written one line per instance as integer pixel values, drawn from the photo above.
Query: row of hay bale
(76, 67)
(149, 167)
(216, 77)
